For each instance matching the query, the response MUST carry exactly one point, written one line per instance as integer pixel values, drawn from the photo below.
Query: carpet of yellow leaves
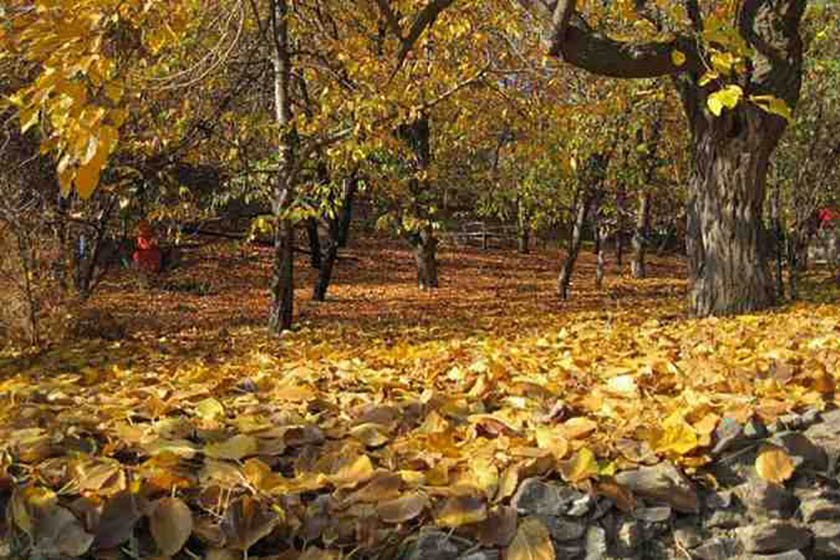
(403, 407)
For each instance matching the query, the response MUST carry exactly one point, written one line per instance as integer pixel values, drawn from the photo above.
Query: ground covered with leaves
(191, 433)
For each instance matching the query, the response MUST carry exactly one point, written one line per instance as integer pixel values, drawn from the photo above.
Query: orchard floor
(460, 391)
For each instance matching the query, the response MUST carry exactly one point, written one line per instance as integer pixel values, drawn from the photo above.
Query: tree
(737, 67)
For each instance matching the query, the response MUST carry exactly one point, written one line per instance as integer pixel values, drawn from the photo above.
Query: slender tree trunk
(328, 262)
(314, 243)
(600, 268)
(346, 214)
(640, 234)
(524, 231)
(778, 239)
(282, 282)
(573, 247)
(425, 254)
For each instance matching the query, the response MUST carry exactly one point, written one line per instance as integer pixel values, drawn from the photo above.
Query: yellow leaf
(579, 427)
(727, 97)
(774, 464)
(234, 449)
(580, 467)
(461, 510)
(676, 436)
(210, 409)
(677, 57)
(532, 542)
(548, 438)
(353, 473)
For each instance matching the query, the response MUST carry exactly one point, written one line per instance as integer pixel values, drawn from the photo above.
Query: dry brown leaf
(773, 464)
(532, 542)
(353, 473)
(119, 516)
(372, 435)
(404, 508)
(246, 521)
(499, 528)
(461, 510)
(171, 524)
(384, 486)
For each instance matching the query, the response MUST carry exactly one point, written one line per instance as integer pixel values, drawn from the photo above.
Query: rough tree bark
(282, 280)
(728, 267)
(314, 243)
(640, 233)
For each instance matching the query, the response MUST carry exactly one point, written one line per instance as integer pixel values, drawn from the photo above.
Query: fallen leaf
(234, 449)
(402, 509)
(171, 524)
(580, 467)
(246, 521)
(461, 510)
(773, 464)
(532, 542)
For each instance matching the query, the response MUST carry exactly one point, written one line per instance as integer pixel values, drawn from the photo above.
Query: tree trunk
(314, 243)
(282, 281)
(346, 214)
(728, 266)
(640, 234)
(778, 239)
(573, 247)
(425, 253)
(328, 262)
(599, 270)
(523, 229)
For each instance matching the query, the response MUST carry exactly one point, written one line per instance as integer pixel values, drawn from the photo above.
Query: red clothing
(148, 257)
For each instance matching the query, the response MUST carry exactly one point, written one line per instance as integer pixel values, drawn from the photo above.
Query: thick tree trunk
(640, 234)
(314, 243)
(425, 253)
(346, 214)
(282, 281)
(728, 266)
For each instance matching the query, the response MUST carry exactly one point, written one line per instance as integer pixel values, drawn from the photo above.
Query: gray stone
(727, 434)
(791, 422)
(720, 548)
(662, 482)
(653, 514)
(568, 552)
(563, 530)
(687, 534)
(602, 506)
(818, 509)
(755, 429)
(482, 555)
(826, 539)
(766, 498)
(800, 447)
(581, 506)
(774, 536)
(811, 417)
(719, 500)
(536, 497)
(725, 520)
(596, 543)
(433, 545)
(629, 536)
(789, 555)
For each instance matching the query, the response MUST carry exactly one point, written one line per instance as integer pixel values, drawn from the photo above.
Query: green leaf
(727, 97)
(774, 105)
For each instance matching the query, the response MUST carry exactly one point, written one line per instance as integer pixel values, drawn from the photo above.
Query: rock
(687, 534)
(719, 500)
(482, 555)
(755, 429)
(727, 434)
(653, 514)
(790, 422)
(562, 530)
(766, 498)
(789, 555)
(596, 543)
(662, 482)
(826, 433)
(720, 548)
(629, 536)
(818, 509)
(536, 497)
(725, 520)
(433, 545)
(774, 536)
(581, 506)
(568, 552)
(800, 447)
(826, 539)
(811, 417)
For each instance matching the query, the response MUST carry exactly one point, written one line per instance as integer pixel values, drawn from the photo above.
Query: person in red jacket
(147, 257)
